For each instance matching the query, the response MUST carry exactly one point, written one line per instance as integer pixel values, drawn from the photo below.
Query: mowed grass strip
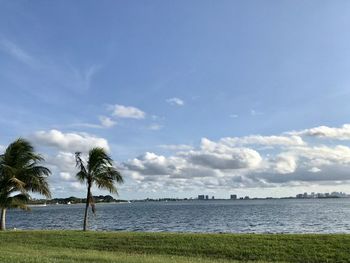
(78, 246)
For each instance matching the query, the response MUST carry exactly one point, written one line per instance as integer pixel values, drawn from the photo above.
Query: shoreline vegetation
(135, 247)
(75, 200)
(110, 199)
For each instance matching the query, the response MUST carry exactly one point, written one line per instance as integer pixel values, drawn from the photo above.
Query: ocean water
(240, 216)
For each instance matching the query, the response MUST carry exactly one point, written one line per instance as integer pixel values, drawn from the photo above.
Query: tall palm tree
(20, 174)
(98, 170)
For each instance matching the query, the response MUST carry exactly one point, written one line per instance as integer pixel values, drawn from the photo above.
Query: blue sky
(138, 76)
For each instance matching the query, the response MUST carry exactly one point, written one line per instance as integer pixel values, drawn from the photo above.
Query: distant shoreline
(75, 200)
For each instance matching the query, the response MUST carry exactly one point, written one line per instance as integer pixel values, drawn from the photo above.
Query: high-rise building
(200, 197)
(299, 196)
(233, 197)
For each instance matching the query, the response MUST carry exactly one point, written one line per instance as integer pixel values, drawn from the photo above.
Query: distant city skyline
(109, 198)
(189, 97)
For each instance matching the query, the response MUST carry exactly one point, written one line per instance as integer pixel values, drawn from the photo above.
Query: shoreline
(191, 200)
(177, 232)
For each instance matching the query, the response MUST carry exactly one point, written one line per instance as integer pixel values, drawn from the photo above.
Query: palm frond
(20, 172)
(106, 183)
(16, 184)
(82, 175)
(98, 158)
(106, 177)
(34, 178)
(19, 201)
(39, 185)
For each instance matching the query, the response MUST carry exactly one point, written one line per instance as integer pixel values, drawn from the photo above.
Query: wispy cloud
(175, 101)
(18, 53)
(87, 125)
(255, 112)
(107, 122)
(176, 147)
(155, 127)
(117, 111)
(44, 70)
(84, 77)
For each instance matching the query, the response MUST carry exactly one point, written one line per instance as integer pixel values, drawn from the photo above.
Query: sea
(212, 216)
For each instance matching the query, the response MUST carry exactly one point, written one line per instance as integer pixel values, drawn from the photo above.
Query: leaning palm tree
(98, 170)
(20, 174)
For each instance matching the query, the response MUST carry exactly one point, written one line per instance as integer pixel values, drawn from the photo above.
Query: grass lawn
(77, 246)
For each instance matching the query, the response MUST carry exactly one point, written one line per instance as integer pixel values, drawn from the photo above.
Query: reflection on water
(257, 216)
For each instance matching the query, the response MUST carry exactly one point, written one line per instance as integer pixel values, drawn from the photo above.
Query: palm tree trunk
(3, 219)
(87, 207)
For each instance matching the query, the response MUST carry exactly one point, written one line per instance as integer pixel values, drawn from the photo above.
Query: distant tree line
(76, 200)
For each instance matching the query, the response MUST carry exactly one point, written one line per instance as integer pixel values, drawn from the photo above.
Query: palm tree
(98, 170)
(20, 174)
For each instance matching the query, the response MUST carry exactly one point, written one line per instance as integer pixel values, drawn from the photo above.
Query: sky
(188, 97)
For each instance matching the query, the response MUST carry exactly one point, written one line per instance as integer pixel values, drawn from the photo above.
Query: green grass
(77, 246)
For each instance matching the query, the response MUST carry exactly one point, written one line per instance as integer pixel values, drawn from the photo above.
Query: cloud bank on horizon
(315, 156)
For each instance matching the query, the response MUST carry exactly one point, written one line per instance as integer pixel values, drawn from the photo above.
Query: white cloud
(342, 133)
(324, 155)
(65, 176)
(315, 170)
(70, 142)
(155, 127)
(77, 186)
(211, 161)
(234, 116)
(255, 113)
(121, 111)
(63, 161)
(107, 122)
(264, 140)
(235, 159)
(285, 163)
(153, 164)
(220, 156)
(175, 101)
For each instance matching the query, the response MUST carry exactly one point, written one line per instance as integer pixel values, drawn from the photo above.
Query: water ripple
(241, 216)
